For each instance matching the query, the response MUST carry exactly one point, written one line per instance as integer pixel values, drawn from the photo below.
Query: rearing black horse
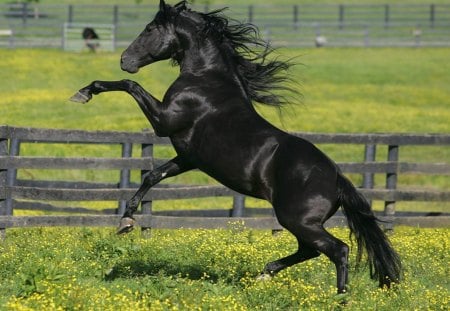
(208, 114)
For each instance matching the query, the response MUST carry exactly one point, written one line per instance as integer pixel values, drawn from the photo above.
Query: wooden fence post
(368, 178)
(115, 23)
(70, 13)
(295, 20)
(366, 36)
(432, 14)
(341, 16)
(238, 206)
(146, 206)
(127, 149)
(391, 184)
(24, 13)
(3, 176)
(250, 13)
(387, 16)
(11, 177)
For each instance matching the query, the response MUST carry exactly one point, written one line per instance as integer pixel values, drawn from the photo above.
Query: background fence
(38, 25)
(39, 194)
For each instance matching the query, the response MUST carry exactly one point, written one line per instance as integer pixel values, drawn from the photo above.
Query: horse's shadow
(140, 268)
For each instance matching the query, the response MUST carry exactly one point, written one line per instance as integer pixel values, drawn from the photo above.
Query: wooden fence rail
(33, 24)
(36, 194)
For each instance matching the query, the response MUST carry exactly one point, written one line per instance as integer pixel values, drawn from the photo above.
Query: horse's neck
(207, 56)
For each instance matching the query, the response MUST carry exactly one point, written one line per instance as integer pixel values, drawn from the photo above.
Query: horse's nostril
(123, 61)
(128, 65)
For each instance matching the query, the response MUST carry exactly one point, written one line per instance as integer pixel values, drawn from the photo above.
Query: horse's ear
(181, 6)
(162, 5)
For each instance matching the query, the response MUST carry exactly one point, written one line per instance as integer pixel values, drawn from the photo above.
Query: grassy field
(93, 269)
(344, 90)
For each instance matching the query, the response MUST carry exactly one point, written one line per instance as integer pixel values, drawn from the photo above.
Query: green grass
(93, 269)
(344, 90)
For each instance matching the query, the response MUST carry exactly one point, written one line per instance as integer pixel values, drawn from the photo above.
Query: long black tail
(384, 262)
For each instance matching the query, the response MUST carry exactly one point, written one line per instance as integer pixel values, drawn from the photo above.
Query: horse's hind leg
(312, 243)
(303, 215)
(317, 237)
(304, 253)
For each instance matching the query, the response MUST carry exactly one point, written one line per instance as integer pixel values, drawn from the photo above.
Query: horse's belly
(245, 169)
(238, 181)
(241, 159)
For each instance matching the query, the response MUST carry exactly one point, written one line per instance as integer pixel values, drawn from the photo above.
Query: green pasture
(343, 90)
(93, 269)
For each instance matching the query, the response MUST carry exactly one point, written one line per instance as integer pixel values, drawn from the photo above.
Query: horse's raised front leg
(96, 87)
(173, 167)
(150, 106)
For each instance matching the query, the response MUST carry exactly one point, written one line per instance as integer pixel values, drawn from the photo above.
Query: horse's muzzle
(129, 65)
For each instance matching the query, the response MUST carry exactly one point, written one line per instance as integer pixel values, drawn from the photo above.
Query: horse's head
(158, 41)
(179, 33)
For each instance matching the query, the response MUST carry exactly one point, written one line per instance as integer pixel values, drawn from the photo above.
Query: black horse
(208, 114)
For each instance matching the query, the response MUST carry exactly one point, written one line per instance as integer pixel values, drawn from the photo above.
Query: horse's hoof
(80, 98)
(264, 277)
(126, 225)
(341, 299)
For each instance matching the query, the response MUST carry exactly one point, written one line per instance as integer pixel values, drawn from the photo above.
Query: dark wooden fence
(28, 24)
(32, 194)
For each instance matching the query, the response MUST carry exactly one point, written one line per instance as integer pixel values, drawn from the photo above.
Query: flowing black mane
(262, 76)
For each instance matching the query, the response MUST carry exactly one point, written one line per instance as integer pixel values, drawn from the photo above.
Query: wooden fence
(32, 194)
(30, 24)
